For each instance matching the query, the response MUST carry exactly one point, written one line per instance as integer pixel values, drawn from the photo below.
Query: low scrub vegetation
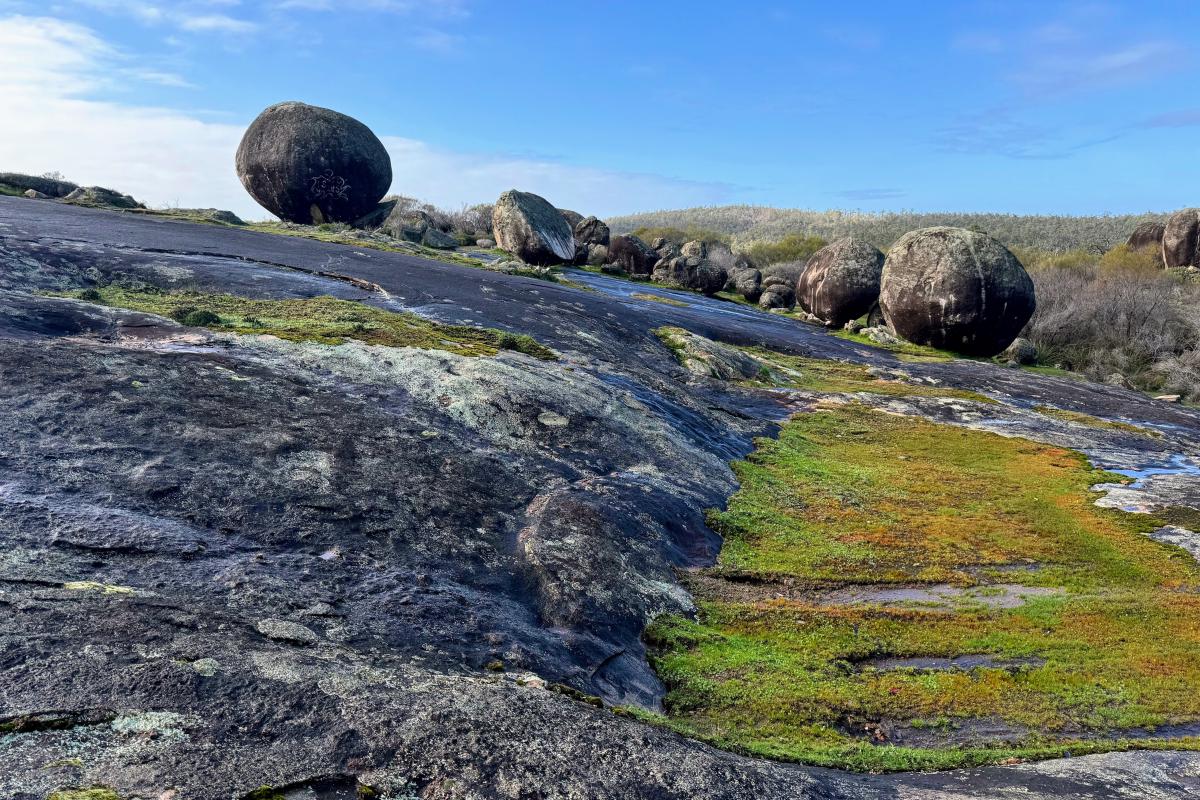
(1117, 314)
(690, 233)
(791, 248)
(896, 594)
(746, 225)
(326, 320)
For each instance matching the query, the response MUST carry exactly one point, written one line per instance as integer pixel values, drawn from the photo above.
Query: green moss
(654, 298)
(1095, 422)
(94, 793)
(11, 191)
(265, 793)
(325, 320)
(907, 350)
(849, 501)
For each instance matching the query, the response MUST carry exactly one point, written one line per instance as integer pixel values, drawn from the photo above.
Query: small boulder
(487, 244)
(747, 283)
(776, 295)
(1146, 235)
(632, 255)
(311, 165)
(710, 359)
(955, 289)
(597, 255)
(1168, 398)
(377, 216)
(34, 194)
(1021, 351)
(534, 231)
(285, 631)
(841, 281)
(694, 248)
(438, 239)
(51, 187)
(1181, 239)
(1118, 380)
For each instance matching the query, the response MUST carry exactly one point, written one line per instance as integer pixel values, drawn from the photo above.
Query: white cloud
(216, 22)
(48, 79)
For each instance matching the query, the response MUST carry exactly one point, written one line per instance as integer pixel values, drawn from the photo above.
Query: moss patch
(1095, 422)
(325, 320)
(1088, 631)
(654, 298)
(819, 375)
(906, 350)
(95, 793)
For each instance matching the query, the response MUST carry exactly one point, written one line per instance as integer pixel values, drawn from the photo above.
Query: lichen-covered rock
(690, 272)
(1181, 239)
(955, 289)
(311, 165)
(632, 255)
(841, 281)
(534, 231)
(597, 255)
(708, 358)
(34, 194)
(1146, 235)
(592, 231)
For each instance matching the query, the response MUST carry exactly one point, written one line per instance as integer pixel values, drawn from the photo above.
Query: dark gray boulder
(534, 231)
(747, 283)
(632, 255)
(955, 289)
(1148, 234)
(841, 281)
(311, 165)
(690, 272)
(1021, 351)
(1181, 239)
(592, 231)
(777, 295)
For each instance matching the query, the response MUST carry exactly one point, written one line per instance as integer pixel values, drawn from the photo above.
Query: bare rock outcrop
(534, 231)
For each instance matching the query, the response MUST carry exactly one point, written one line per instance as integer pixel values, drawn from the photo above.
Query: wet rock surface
(232, 562)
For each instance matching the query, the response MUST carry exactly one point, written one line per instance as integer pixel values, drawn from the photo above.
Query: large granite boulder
(747, 282)
(955, 289)
(1181, 239)
(690, 272)
(1148, 234)
(841, 281)
(534, 231)
(632, 255)
(776, 293)
(312, 165)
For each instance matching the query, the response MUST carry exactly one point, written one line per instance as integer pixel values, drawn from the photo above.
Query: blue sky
(615, 107)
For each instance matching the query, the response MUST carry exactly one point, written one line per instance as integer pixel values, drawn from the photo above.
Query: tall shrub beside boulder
(955, 289)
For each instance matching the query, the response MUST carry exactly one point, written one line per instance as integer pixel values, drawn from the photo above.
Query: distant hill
(749, 224)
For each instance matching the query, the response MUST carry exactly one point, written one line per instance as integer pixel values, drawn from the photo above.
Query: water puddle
(1177, 465)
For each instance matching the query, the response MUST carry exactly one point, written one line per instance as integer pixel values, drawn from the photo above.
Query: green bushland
(849, 498)
(793, 247)
(11, 191)
(326, 320)
(690, 233)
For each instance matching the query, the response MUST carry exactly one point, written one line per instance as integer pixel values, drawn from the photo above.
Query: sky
(617, 107)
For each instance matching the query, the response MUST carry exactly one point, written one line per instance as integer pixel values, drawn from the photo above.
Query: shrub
(201, 318)
(1123, 259)
(91, 296)
(1142, 324)
(791, 248)
(786, 269)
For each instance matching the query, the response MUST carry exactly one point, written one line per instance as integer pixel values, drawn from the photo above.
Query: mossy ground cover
(325, 320)
(1095, 422)
(1098, 646)
(821, 375)
(655, 298)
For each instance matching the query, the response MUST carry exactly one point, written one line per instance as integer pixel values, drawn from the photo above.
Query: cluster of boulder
(38, 187)
(1177, 240)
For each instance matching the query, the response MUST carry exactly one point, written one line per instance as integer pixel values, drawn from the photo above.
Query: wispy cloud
(1004, 132)
(1174, 119)
(197, 16)
(216, 22)
(49, 74)
(432, 40)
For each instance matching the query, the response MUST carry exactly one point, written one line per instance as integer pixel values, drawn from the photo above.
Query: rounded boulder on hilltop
(841, 281)
(311, 165)
(955, 289)
(534, 231)
(1181, 239)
